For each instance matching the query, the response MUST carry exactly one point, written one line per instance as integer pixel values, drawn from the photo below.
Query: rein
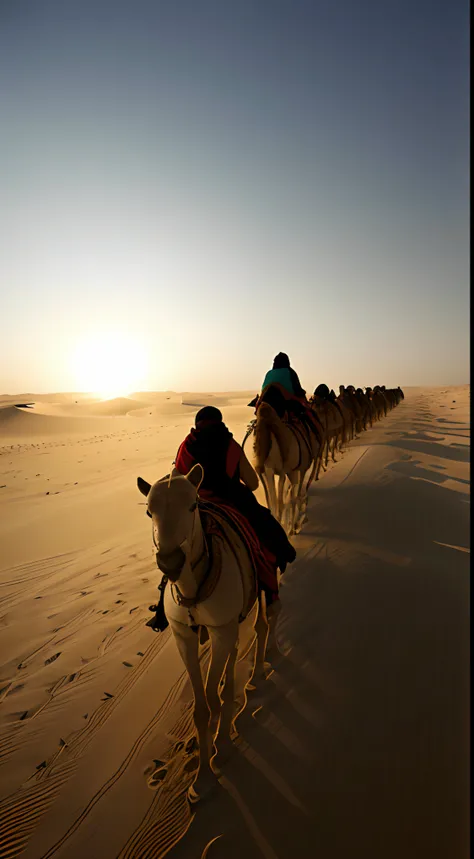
(249, 432)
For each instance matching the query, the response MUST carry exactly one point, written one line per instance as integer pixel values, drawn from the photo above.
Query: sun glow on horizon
(110, 365)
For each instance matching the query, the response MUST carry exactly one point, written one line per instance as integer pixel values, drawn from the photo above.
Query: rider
(283, 375)
(229, 476)
(322, 392)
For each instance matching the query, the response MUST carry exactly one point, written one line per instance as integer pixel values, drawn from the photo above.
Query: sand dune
(66, 398)
(140, 405)
(224, 399)
(114, 407)
(42, 422)
(357, 745)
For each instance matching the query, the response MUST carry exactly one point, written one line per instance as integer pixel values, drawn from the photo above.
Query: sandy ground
(358, 745)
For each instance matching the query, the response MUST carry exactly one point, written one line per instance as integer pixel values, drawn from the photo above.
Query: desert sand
(357, 746)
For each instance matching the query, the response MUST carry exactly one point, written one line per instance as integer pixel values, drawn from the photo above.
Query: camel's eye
(193, 507)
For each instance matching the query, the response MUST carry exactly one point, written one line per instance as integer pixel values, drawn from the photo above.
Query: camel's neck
(195, 567)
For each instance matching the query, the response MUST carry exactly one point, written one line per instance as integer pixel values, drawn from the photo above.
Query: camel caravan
(221, 553)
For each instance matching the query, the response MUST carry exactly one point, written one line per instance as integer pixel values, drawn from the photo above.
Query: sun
(110, 365)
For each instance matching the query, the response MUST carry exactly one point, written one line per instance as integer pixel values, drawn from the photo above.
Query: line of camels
(209, 584)
(283, 450)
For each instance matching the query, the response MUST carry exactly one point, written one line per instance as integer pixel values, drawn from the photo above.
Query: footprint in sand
(191, 765)
(192, 745)
(16, 688)
(158, 776)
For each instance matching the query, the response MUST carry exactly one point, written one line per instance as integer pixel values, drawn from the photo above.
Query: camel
(372, 409)
(193, 598)
(352, 403)
(380, 403)
(280, 449)
(332, 421)
(345, 407)
(353, 409)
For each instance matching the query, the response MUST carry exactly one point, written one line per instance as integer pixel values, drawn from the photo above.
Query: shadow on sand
(359, 747)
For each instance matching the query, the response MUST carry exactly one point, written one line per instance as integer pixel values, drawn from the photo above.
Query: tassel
(159, 622)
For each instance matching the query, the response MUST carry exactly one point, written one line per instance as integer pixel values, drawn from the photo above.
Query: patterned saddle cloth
(225, 521)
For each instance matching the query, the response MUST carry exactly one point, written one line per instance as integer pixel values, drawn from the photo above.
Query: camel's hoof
(202, 788)
(259, 678)
(224, 752)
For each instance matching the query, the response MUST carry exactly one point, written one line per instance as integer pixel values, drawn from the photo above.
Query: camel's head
(172, 506)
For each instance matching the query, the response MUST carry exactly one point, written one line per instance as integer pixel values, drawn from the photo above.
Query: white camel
(203, 592)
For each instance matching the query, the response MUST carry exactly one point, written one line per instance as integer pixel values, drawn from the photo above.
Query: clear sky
(208, 182)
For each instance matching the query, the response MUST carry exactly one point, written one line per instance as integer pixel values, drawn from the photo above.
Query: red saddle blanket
(216, 515)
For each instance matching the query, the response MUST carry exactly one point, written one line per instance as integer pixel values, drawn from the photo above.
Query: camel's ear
(196, 475)
(143, 486)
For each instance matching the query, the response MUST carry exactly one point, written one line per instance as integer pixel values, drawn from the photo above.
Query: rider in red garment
(229, 476)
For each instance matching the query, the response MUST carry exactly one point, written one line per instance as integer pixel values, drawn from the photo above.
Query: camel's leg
(298, 505)
(312, 473)
(292, 504)
(223, 641)
(333, 453)
(273, 612)
(344, 432)
(261, 629)
(302, 499)
(223, 742)
(187, 642)
(281, 490)
(323, 454)
(272, 498)
(263, 481)
(326, 452)
(319, 464)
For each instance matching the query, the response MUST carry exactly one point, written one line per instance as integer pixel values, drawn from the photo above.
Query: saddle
(225, 521)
